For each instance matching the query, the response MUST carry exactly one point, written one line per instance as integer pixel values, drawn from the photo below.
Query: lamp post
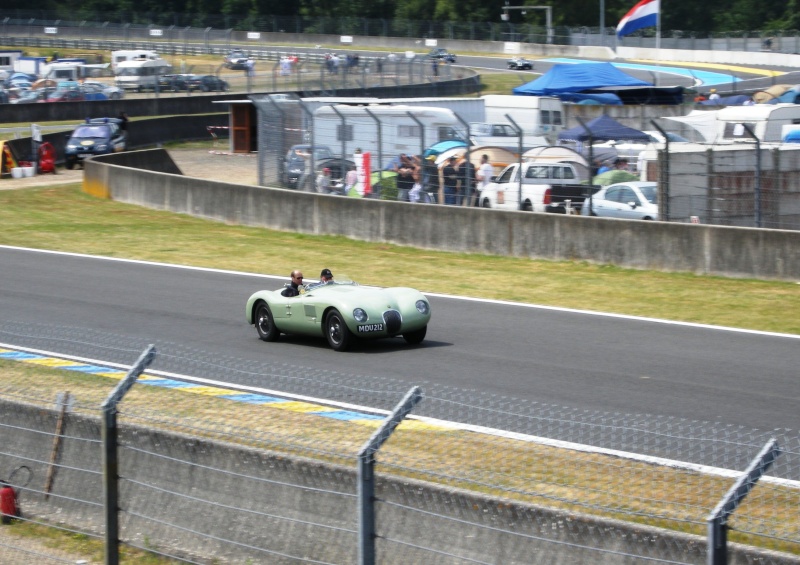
(602, 23)
(548, 10)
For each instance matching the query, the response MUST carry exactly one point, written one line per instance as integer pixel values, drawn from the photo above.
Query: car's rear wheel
(265, 324)
(336, 331)
(415, 337)
(527, 206)
(70, 164)
(485, 203)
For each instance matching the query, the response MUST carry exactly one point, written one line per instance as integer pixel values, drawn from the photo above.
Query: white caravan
(141, 75)
(403, 129)
(766, 121)
(536, 115)
(124, 55)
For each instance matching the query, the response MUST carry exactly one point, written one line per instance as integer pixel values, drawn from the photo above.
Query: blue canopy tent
(603, 129)
(563, 78)
(571, 81)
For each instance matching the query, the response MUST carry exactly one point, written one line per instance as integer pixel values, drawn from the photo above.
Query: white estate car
(626, 200)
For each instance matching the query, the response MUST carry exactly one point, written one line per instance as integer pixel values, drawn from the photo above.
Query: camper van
(766, 121)
(141, 75)
(503, 135)
(403, 129)
(536, 115)
(61, 70)
(118, 57)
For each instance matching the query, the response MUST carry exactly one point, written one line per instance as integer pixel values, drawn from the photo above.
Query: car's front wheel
(415, 337)
(336, 331)
(265, 324)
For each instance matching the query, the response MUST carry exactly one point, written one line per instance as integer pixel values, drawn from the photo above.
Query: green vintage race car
(342, 312)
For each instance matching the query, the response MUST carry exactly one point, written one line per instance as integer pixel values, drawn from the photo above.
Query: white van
(124, 55)
(766, 121)
(536, 115)
(141, 75)
(403, 129)
(503, 135)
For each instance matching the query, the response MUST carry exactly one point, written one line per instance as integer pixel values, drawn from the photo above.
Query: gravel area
(239, 168)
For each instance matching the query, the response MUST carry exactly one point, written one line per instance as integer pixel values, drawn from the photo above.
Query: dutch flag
(644, 14)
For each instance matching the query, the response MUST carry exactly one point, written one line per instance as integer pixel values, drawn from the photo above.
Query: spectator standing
(324, 181)
(713, 94)
(123, 124)
(485, 173)
(8, 503)
(467, 181)
(449, 183)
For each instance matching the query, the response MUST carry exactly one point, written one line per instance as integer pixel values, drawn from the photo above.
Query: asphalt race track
(573, 359)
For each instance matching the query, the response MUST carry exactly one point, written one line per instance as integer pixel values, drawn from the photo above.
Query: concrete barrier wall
(184, 495)
(700, 249)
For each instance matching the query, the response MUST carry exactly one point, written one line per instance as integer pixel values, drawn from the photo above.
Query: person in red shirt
(8, 503)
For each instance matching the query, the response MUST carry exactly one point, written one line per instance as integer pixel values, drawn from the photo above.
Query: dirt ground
(214, 164)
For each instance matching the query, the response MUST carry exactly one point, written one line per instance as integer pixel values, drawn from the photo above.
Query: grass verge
(65, 219)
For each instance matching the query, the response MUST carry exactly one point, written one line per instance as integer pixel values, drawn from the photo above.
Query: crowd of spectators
(422, 180)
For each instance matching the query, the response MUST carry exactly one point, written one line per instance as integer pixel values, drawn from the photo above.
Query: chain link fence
(175, 28)
(263, 468)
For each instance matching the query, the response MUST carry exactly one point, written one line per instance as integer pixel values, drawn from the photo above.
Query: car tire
(204, 88)
(527, 206)
(265, 323)
(415, 338)
(485, 203)
(647, 218)
(337, 332)
(69, 164)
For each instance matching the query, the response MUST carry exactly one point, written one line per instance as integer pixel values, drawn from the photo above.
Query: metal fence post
(718, 519)
(757, 189)
(519, 158)
(366, 474)
(663, 184)
(110, 462)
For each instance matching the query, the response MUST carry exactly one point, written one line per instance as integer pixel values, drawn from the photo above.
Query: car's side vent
(393, 321)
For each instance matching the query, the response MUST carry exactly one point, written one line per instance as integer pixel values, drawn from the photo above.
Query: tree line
(711, 16)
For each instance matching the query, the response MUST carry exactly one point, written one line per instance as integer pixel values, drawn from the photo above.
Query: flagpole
(658, 30)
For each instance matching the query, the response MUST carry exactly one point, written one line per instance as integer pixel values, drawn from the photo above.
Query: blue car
(95, 137)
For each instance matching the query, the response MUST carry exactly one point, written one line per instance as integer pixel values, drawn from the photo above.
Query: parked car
(636, 200)
(95, 137)
(539, 182)
(520, 64)
(342, 312)
(207, 83)
(30, 96)
(109, 90)
(67, 91)
(293, 166)
(236, 59)
(174, 82)
(442, 54)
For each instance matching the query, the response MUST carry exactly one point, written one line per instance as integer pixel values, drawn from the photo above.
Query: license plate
(366, 328)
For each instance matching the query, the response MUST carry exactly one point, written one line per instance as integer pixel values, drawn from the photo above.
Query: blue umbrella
(442, 146)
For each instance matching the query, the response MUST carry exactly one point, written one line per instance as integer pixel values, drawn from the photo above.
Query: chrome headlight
(360, 315)
(72, 146)
(423, 307)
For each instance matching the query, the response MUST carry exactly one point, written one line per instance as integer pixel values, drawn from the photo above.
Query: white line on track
(437, 295)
